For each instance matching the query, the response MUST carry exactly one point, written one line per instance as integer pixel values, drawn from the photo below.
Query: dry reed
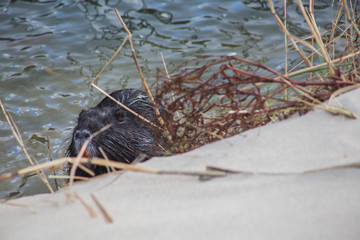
(221, 98)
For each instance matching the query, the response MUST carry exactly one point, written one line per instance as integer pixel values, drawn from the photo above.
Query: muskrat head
(126, 137)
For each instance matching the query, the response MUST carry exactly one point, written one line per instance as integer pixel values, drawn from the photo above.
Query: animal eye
(120, 115)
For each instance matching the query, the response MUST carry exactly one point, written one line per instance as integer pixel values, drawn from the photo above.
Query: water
(76, 38)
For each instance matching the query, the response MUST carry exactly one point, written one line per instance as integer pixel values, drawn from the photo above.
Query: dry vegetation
(229, 95)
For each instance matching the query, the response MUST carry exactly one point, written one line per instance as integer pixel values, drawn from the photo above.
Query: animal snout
(82, 134)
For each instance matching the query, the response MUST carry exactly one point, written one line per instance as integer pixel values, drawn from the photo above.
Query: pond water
(74, 39)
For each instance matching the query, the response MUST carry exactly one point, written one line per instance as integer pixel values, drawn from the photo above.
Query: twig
(139, 70)
(236, 171)
(103, 162)
(126, 108)
(315, 31)
(31, 209)
(169, 79)
(19, 139)
(111, 59)
(106, 215)
(90, 210)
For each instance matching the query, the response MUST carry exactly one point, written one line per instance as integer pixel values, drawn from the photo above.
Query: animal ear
(120, 115)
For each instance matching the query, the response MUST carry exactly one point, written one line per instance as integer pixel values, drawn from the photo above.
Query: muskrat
(127, 137)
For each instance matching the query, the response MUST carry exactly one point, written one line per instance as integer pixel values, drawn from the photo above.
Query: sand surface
(279, 201)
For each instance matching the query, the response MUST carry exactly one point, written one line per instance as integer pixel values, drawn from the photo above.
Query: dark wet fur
(128, 136)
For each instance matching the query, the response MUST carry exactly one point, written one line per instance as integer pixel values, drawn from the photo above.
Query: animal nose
(82, 134)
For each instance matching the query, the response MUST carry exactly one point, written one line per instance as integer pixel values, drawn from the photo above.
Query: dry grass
(223, 98)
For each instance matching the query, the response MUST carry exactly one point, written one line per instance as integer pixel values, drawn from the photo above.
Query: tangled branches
(205, 105)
